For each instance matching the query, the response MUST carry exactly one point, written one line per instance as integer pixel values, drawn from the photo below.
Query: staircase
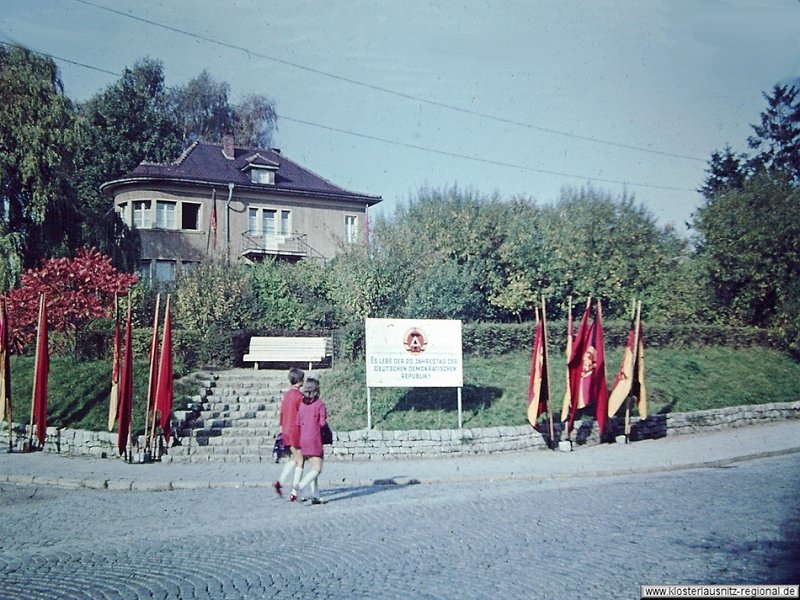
(234, 419)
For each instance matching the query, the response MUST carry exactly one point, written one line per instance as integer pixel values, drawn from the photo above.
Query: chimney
(227, 146)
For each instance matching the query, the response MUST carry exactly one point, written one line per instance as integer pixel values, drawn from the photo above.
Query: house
(235, 204)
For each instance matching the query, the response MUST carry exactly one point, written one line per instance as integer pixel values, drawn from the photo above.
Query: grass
(494, 392)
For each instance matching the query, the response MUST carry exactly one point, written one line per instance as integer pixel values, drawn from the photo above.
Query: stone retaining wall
(375, 444)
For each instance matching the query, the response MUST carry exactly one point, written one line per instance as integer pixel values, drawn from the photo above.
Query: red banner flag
(113, 405)
(153, 373)
(538, 385)
(5, 369)
(575, 367)
(623, 381)
(126, 389)
(164, 390)
(40, 372)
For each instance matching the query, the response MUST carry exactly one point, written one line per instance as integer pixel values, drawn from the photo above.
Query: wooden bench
(288, 349)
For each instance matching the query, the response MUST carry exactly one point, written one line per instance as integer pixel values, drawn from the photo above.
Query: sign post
(413, 353)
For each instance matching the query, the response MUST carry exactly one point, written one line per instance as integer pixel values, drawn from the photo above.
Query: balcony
(256, 247)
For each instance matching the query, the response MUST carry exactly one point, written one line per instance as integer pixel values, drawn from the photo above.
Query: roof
(205, 164)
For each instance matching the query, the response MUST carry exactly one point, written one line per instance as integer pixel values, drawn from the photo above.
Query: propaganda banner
(413, 353)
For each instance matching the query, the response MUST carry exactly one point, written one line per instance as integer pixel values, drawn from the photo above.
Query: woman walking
(311, 417)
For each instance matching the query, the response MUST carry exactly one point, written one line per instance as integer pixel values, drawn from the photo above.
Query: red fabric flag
(126, 389)
(40, 372)
(153, 377)
(164, 391)
(113, 406)
(538, 385)
(641, 393)
(575, 366)
(5, 369)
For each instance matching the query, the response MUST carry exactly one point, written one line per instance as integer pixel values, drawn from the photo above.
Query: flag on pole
(40, 372)
(629, 381)
(538, 384)
(599, 389)
(5, 369)
(126, 389)
(113, 405)
(153, 373)
(575, 367)
(567, 403)
(164, 390)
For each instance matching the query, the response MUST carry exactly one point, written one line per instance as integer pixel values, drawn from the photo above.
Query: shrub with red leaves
(78, 290)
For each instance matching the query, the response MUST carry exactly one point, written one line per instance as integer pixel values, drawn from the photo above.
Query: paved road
(588, 537)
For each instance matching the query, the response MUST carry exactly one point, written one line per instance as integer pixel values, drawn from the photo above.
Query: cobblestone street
(593, 537)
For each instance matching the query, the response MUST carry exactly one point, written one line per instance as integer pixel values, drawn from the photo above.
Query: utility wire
(384, 90)
(483, 160)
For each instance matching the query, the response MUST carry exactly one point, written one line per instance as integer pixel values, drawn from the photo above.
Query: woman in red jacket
(311, 417)
(290, 429)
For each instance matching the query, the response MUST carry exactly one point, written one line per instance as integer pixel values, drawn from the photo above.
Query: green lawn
(494, 393)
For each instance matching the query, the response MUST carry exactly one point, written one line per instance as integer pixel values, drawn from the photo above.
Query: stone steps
(233, 419)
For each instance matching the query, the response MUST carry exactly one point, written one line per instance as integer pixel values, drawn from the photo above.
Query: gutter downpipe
(227, 225)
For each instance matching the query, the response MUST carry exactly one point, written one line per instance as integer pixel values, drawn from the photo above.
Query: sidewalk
(672, 453)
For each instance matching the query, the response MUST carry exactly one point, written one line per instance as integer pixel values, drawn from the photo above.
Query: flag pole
(35, 371)
(547, 373)
(150, 401)
(636, 329)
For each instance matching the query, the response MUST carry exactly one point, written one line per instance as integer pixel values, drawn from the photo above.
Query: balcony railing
(256, 246)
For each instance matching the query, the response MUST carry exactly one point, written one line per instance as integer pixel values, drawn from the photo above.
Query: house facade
(236, 205)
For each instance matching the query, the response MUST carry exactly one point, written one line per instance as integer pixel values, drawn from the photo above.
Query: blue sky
(513, 97)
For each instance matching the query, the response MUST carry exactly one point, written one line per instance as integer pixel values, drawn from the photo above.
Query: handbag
(327, 434)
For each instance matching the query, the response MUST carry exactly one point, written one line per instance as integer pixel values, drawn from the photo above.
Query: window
(141, 214)
(165, 270)
(262, 176)
(165, 215)
(285, 222)
(190, 215)
(350, 229)
(252, 221)
(268, 222)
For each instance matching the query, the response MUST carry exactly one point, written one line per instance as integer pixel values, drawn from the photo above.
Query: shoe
(293, 498)
(317, 501)
(278, 490)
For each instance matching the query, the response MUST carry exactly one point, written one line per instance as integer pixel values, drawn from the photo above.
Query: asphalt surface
(715, 448)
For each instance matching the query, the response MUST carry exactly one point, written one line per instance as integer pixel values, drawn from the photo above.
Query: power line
(392, 92)
(366, 136)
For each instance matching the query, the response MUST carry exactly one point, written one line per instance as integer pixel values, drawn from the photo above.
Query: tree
(750, 239)
(777, 135)
(204, 113)
(255, 120)
(129, 122)
(605, 247)
(78, 290)
(202, 110)
(38, 138)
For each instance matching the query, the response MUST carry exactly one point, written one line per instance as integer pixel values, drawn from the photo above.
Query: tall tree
(38, 137)
(777, 135)
(202, 110)
(129, 122)
(255, 120)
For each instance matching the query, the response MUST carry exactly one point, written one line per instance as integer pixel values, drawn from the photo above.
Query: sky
(509, 97)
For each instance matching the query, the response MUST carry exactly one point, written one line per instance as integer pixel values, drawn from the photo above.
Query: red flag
(538, 385)
(126, 389)
(152, 380)
(164, 391)
(113, 405)
(40, 372)
(575, 366)
(5, 369)
(599, 389)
